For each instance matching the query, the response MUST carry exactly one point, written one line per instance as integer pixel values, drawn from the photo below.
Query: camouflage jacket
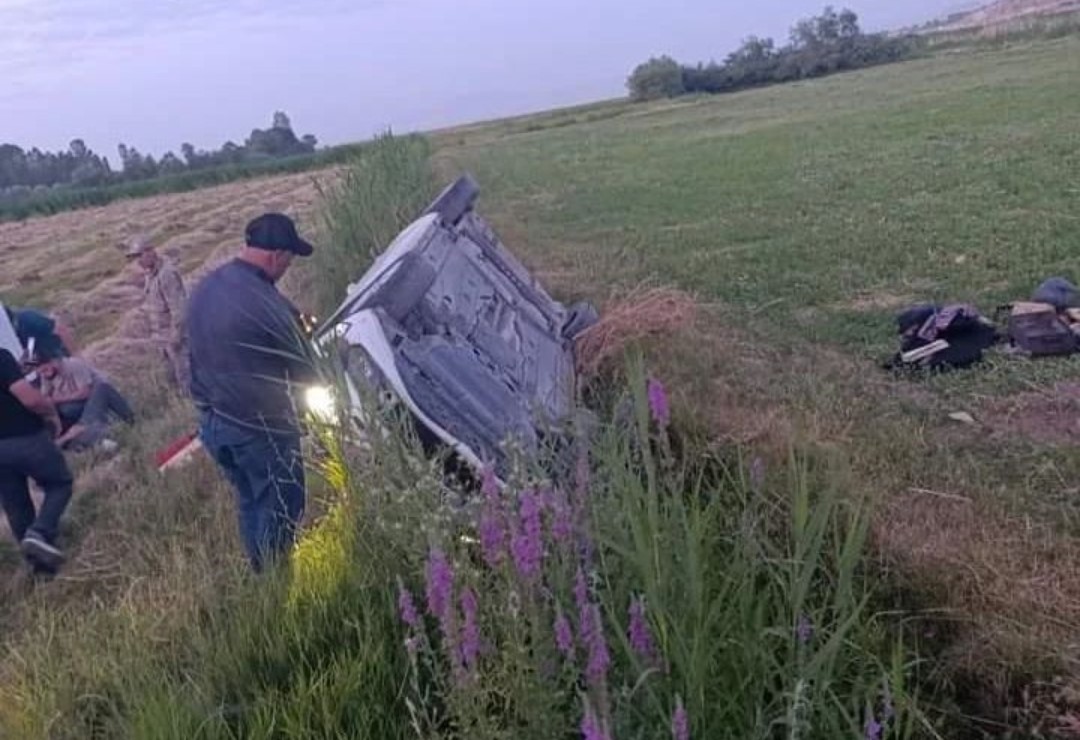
(166, 302)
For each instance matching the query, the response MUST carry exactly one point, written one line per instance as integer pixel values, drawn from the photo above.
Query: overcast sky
(155, 73)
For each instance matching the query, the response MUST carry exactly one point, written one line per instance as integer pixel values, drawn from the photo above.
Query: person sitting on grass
(28, 425)
(85, 400)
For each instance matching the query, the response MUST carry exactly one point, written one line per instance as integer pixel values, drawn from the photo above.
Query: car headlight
(319, 400)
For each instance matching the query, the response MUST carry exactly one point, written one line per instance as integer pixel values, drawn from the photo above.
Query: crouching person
(28, 425)
(85, 401)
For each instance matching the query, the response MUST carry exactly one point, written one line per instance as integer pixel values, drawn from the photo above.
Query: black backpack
(942, 338)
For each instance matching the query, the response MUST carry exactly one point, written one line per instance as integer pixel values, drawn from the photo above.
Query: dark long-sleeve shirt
(247, 348)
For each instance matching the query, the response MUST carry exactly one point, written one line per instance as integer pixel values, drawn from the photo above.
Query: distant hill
(1004, 12)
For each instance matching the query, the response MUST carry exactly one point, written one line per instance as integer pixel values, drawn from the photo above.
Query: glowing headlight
(320, 402)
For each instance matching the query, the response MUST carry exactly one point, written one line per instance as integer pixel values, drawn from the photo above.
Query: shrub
(657, 78)
(822, 45)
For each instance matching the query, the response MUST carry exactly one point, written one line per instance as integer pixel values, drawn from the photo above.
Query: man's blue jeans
(267, 471)
(95, 413)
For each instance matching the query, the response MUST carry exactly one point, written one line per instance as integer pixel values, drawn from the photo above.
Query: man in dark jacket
(28, 424)
(247, 353)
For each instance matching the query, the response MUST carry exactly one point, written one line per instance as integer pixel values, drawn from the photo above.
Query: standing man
(247, 351)
(166, 307)
(28, 424)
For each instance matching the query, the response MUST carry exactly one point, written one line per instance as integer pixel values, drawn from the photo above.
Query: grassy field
(808, 214)
(801, 217)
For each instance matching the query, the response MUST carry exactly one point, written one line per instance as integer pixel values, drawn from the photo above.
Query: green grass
(729, 568)
(802, 214)
(806, 215)
(810, 195)
(729, 565)
(816, 210)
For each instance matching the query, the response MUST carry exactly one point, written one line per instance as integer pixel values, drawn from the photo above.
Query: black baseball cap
(276, 231)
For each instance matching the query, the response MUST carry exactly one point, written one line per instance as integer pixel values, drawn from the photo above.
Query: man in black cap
(247, 351)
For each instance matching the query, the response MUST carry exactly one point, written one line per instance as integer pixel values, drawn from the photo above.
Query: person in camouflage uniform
(166, 306)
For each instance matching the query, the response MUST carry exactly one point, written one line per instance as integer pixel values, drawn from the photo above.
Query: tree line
(817, 46)
(22, 171)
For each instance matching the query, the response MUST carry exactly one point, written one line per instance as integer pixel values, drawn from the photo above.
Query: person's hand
(56, 429)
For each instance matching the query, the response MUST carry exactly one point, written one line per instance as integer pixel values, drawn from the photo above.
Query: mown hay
(641, 314)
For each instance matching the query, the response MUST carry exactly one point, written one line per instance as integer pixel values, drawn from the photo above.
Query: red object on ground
(177, 452)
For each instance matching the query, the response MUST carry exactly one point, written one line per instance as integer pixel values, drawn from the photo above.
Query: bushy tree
(657, 78)
(827, 43)
(170, 164)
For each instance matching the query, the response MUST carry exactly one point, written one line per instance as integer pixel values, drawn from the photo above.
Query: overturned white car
(450, 324)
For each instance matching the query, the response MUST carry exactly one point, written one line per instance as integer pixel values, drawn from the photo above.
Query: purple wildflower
(872, 729)
(582, 477)
(887, 709)
(658, 403)
(757, 474)
(680, 723)
(804, 629)
(564, 636)
(406, 607)
(599, 658)
(440, 583)
(492, 529)
(526, 544)
(579, 505)
(562, 519)
(641, 639)
(492, 536)
(489, 484)
(581, 597)
(591, 729)
(470, 629)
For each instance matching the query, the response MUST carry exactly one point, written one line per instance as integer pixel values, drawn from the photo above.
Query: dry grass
(1048, 416)
(643, 313)
(69, 263)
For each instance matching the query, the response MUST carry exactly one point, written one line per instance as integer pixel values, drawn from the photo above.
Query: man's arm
(288, 342)
(172, 290)
(31, 398)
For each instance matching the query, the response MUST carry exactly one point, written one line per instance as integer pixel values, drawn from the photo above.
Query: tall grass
(749, 591)
(737, 599)
(382, 189)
